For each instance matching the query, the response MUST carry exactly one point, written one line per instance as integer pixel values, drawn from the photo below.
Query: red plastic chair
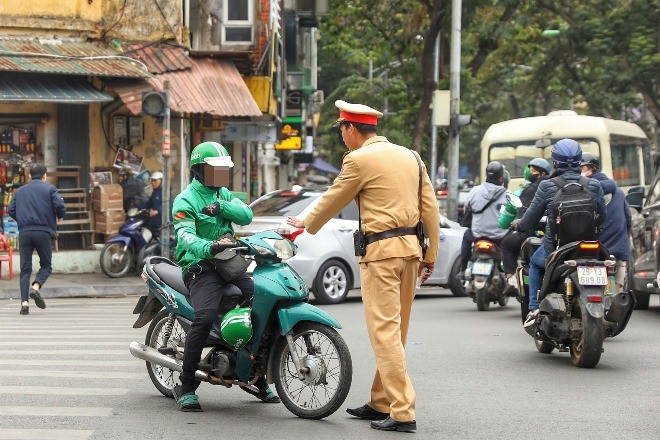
(6, 254)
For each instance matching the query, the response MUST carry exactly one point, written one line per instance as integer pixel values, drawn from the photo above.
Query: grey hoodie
(486, 223)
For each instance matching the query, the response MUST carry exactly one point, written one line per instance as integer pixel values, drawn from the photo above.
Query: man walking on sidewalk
(36, 208)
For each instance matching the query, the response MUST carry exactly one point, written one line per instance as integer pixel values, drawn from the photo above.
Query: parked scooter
(484, 279)
(294, 344)
(128, 249)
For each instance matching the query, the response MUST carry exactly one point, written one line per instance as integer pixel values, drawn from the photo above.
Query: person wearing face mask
(203, 212)
(535, 171)
(614, 234)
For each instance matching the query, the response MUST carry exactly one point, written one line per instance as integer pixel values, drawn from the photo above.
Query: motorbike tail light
(290, 233)
(589, 245)
(609, 263)
(571, 263)
(483, 245)
(595, 298)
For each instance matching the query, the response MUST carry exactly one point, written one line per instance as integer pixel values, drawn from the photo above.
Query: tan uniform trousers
(388, 289)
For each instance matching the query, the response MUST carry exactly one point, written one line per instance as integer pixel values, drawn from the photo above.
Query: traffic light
(154, 103)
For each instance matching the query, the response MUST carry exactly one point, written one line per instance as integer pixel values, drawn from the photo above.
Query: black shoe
(366, 412)
(38, 300)
(389, 424)
(265, 395)
(25, 310)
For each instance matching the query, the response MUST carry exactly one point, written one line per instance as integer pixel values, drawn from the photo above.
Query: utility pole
(434, 128)
(454, 109)
(166, 151)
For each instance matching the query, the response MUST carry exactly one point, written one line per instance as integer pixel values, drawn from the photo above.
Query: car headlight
(284, 249)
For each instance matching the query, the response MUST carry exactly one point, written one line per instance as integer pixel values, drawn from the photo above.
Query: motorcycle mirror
(514, 199)
(132, 212)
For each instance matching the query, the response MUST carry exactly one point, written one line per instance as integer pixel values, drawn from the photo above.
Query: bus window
(514, 158)
(625, 164)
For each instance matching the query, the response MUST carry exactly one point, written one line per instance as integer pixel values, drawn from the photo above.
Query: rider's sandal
(265, 395)
(188, 402)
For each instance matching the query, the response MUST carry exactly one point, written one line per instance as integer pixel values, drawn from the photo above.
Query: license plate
(592, 275)
(481, 268)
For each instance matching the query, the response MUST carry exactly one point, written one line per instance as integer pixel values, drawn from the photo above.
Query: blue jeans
(536, 272)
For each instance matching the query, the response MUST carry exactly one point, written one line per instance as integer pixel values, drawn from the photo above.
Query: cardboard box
(108, 197)
(109, 222)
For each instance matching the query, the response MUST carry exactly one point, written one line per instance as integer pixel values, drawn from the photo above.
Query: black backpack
(574, 212)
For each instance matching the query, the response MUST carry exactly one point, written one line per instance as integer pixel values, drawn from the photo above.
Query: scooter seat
(171, 275)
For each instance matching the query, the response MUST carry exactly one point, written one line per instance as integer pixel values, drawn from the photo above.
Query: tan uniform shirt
(383, 179)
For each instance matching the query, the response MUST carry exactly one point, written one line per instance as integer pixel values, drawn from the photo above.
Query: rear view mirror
(635, 199)
(543, 142)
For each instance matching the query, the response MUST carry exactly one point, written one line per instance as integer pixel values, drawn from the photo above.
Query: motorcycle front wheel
(116, 259)
(163, 378)
(586, 351)
(327, 368)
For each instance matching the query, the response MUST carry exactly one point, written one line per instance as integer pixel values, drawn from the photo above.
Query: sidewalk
(77, 285)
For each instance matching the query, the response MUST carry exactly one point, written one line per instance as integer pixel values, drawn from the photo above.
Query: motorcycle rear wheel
(115, 261)
(163, 378)
(325, 386)
(586, 351)
(483, 302)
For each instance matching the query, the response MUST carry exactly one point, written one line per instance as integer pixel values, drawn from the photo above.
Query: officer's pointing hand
(295, 222)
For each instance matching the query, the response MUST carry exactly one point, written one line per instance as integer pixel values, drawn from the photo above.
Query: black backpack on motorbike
(574, 214)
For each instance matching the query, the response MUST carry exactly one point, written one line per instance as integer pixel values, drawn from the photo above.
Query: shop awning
(67, 58)
(210, 86)
(49, 88)
(324, 166)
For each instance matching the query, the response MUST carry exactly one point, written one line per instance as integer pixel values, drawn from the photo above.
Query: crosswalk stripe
(59, 332)
(63, 391)
(74, 336)
(58, 327)
(63, 352)
(44, 434)
(88, 375)
(122, 343)
(55, 411)
(68, 362)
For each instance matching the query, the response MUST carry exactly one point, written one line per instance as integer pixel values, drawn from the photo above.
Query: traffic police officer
(383, 179)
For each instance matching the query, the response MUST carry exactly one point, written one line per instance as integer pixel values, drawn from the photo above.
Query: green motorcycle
(280, 335)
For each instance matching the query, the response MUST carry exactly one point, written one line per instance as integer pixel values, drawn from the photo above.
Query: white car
(326, 261)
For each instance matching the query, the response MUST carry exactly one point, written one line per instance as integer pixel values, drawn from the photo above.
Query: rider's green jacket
(195, 231)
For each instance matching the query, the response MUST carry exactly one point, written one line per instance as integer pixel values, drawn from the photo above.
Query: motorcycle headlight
(284, 249)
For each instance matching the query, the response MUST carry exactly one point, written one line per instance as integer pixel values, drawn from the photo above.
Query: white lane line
(72, 374)
(56, 328)
(63, 391)
(72, 336)
(44, 434)
(67, 362)
(55, 343)
(55, 411)
(67, 352)
(96, 330)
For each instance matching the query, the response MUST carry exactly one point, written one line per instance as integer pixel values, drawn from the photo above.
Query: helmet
(566, 153)
(507, 177)
(541, 164)
(591, 160)
(494, 170)
(157, 175)
(211, 153)
(236, 327)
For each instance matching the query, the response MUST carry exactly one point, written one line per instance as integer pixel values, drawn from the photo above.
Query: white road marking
(44, 434)
(63, 391)
(72, 374)
(55, 411)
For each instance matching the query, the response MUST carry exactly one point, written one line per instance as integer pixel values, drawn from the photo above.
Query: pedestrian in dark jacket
(36, 207)
(614, 235)
(566, 157)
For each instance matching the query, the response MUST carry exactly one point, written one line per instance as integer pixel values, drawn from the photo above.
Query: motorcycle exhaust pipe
(152, 355)
(619, 313)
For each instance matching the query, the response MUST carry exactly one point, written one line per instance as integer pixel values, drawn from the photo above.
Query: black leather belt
(396, 232)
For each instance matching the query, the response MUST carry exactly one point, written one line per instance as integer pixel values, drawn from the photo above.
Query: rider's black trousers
(511, 245)
(204, 284)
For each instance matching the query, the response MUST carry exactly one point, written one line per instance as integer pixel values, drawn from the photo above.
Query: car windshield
(283, 203)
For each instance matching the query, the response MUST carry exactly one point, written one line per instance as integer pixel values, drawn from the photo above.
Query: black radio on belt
(359, 243)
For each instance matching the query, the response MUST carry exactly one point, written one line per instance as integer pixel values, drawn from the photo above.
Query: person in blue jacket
(566, 157)
(36, 207)
(614, 235)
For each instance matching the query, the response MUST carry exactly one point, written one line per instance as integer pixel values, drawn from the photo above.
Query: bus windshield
(515, 155)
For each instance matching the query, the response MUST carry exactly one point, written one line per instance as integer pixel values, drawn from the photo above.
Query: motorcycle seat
(171, 275)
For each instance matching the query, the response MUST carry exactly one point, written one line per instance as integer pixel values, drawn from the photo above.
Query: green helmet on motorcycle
(236, 327)
(207, 158)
